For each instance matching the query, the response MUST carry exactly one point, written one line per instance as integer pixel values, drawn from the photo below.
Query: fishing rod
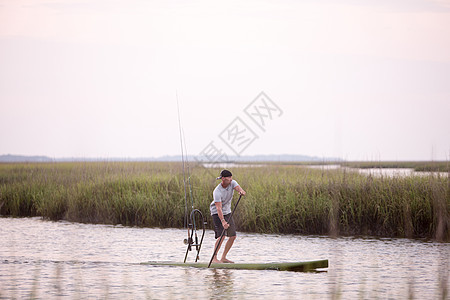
(182, 160)
(196, 216)
(223, 232)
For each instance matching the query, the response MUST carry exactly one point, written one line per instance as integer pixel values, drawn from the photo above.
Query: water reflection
(221, 283)
(443, 272)
(96, 261)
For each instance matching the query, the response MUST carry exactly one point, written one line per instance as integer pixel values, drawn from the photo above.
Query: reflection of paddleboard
(301, 266)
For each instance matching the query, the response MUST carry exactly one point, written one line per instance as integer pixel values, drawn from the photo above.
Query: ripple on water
(40, 258)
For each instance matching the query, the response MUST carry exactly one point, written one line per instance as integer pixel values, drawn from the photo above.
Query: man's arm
(240, 190)
(220, 214)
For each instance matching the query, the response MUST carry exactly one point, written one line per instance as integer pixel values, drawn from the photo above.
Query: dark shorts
(218, 228)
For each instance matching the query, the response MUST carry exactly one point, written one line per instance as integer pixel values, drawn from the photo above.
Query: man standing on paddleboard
(221, 213)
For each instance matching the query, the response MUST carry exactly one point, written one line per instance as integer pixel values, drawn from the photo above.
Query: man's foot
(216, 261)
(227, 261)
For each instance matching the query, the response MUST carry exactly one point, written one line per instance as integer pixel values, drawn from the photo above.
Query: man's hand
(240, 190)
(225, 224)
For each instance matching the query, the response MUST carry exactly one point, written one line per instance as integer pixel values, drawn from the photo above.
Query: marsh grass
(281, 199)
(418, 166)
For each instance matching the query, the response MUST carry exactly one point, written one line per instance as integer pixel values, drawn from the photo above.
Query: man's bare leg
(227, 248)
(215, 260)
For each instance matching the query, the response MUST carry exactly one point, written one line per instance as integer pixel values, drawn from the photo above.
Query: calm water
(44, 259)
(381, 172)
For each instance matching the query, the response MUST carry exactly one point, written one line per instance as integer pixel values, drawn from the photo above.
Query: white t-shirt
(223, 195)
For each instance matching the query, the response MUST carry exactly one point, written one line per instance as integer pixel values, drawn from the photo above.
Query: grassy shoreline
(281, 199)
(418, 166)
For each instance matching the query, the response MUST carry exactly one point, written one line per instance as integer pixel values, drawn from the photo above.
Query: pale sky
(359, 80)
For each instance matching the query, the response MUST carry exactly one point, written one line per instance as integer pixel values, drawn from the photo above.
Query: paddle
(223, 232)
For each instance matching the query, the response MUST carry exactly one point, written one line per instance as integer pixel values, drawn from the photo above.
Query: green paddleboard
(301, 266)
